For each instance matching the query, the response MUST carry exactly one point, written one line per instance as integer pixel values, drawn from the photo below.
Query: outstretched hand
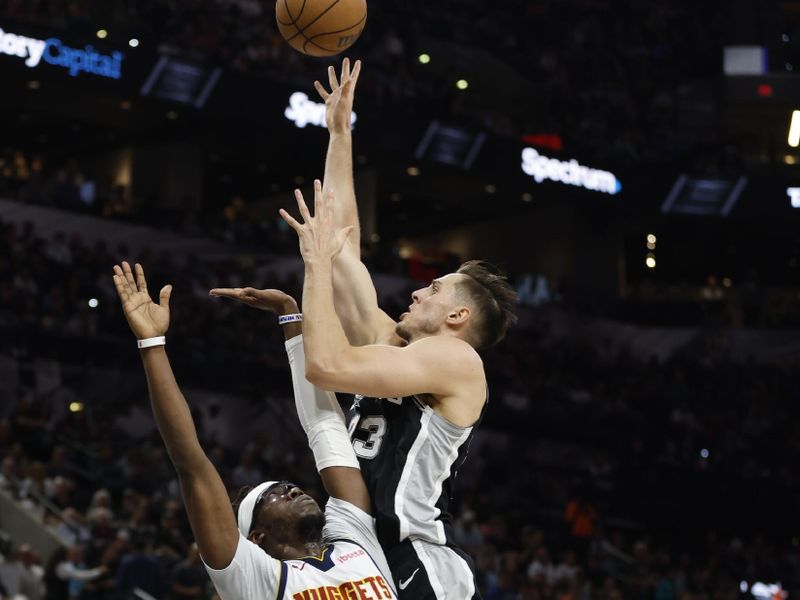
(146, 318)
(320, 239)
(274, 301)
(339, 101)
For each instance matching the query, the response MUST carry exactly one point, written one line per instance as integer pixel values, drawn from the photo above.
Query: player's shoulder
(454, 351)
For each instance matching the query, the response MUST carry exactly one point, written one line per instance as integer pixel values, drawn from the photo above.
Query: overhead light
(651, 246)
(413, 171)
(133, 43)
(490, 189)
(651, 239)
(172, 115)
(527, 197)
(424, 58)
(794, 130)
(102, 34)
(75, 407)
(462, 84)
(790, 159)
(34, 85)
(650, 262)
(93, 302)
(727, 282)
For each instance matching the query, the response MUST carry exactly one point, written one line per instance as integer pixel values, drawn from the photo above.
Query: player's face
(285, 503)
(430, 307)
(287, 516)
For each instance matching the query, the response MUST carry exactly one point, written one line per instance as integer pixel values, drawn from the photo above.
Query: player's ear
(459, 315)
(256, 536)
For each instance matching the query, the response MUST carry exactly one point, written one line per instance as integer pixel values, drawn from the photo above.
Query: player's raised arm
(339, 159)
(442, 365)
(355, 299)
(204, 494)
(318, 410)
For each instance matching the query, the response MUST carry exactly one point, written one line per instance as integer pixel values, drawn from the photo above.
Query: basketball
(321, 27)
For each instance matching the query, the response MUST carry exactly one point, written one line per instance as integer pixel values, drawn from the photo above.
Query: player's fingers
(345, 69)
(123, 282)
(319, 201)
(140, 280)
(332, 78)
(290, 221)
(163, 296)
(224, 292)
(356, 73)
(323, 93)
(122, 287)
(302, 206)
(126, 269)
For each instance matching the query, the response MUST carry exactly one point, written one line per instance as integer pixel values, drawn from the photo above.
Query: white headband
(246, 507)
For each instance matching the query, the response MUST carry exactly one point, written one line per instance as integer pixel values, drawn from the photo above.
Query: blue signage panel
(54, 52)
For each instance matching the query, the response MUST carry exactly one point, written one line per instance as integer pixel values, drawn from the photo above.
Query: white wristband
(150, 342)
(284, 319)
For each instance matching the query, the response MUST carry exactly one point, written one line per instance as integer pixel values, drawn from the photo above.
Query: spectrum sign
(54, 52)
(302, 111)
(570, 172)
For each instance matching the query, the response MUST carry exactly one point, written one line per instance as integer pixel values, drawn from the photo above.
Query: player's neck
(297, 550)
(417, 336)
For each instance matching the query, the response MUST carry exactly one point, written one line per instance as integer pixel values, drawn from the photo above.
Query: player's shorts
(425, 571)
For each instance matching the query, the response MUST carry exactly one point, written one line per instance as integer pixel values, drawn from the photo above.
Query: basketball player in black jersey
(420, 382)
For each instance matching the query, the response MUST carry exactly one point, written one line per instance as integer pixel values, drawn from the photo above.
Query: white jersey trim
(433, 578)
(437, 486)
(400, 493)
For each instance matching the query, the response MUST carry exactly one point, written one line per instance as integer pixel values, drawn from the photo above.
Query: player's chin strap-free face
(245, 516)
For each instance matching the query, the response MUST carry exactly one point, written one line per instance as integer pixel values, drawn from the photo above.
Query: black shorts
(425, 571)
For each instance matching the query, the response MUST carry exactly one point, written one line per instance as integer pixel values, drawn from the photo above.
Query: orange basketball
(321, 27)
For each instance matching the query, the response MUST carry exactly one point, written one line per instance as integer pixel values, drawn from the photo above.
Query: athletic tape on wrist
(150, 342)
(295, 318)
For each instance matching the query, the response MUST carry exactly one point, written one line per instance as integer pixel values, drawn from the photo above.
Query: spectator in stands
(138, 569)
(21, 575)
(67, 574)
(580, 516)
(188, 580)
(247, 473)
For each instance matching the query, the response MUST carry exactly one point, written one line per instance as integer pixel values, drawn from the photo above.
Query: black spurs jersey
(409, 456)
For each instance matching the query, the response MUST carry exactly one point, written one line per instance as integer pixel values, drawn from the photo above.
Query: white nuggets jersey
(351, 567)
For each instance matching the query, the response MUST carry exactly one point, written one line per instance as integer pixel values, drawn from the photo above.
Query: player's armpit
(356, 302)
(210, 514)
(443, 366)
(347, 483)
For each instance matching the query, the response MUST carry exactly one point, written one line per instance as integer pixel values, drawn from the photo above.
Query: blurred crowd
(600, 476)
(608, 75)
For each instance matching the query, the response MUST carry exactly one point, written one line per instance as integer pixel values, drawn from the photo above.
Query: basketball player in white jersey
(279, 544)
(420, 384)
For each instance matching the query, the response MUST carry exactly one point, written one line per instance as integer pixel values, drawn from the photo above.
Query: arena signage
(794, 196)
(570, 172)
(54, 52)
(302, 111)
